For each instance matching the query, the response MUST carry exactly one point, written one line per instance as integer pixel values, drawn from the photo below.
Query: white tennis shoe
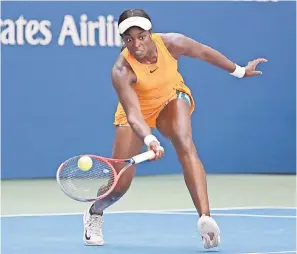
(209, 231)
(93, 229)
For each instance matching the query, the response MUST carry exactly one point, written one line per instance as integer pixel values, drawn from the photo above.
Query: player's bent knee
(182, 143)
(125, 180)
(123, 186)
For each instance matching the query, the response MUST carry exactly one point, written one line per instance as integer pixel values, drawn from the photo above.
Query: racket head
(87, 185)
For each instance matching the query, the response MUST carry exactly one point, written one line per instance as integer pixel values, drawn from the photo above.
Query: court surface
(262, 220)
(257, 230)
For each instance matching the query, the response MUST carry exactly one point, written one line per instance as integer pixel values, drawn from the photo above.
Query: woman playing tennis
(152, 94)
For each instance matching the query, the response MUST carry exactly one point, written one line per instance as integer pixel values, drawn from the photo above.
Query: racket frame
(131, 161)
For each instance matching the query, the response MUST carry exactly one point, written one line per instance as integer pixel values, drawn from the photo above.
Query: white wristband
(150, 138)
(239, 71)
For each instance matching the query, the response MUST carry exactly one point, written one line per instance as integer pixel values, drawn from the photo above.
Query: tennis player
(152, 94)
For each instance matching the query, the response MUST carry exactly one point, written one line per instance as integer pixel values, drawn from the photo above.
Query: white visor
(141, 22)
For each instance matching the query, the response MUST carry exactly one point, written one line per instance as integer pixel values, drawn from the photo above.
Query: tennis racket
(97, 182)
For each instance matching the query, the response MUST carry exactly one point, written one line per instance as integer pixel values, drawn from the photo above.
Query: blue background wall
(58, 101)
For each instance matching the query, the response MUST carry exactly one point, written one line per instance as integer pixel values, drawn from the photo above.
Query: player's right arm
(122, 79)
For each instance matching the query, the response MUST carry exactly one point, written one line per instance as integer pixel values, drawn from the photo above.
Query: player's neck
(151, 57)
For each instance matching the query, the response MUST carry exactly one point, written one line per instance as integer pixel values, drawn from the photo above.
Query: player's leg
(174, 122)
(126, 145)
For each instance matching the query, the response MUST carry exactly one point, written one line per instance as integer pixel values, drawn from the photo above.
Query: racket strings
(86, 184)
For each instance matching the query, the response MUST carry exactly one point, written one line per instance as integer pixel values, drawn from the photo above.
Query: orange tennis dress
(157, 84)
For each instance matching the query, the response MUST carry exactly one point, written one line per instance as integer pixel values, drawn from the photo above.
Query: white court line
(255, 215)
(150, 211)
(232, 215)
(248, 208)
(273, 252)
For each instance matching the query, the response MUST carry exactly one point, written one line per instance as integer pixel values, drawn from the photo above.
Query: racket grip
(144, 156)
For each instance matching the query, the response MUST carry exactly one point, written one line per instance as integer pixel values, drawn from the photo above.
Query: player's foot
(209, 231)
(93, 229)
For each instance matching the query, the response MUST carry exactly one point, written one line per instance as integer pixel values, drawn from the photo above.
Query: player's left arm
(181, 45)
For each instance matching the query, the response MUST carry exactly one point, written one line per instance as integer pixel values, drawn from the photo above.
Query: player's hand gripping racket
(97, 182)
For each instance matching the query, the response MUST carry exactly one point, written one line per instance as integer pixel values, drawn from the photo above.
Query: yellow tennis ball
(85, 163)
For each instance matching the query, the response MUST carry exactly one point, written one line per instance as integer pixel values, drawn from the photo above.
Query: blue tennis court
(250, 230)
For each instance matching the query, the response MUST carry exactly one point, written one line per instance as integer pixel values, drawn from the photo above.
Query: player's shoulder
(173, 42)
(121, 64)
(171, 38)
(122, 69)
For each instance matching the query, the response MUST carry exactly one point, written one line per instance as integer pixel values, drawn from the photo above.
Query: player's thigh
(174, 122)
(126, 145)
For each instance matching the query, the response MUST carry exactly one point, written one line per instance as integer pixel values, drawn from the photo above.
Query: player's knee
(125, 181)
(182, 143)
(122, 186)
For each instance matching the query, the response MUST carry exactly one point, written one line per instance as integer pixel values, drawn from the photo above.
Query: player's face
(138, 42)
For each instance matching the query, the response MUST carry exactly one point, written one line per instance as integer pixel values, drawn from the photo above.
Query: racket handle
(144, 156)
